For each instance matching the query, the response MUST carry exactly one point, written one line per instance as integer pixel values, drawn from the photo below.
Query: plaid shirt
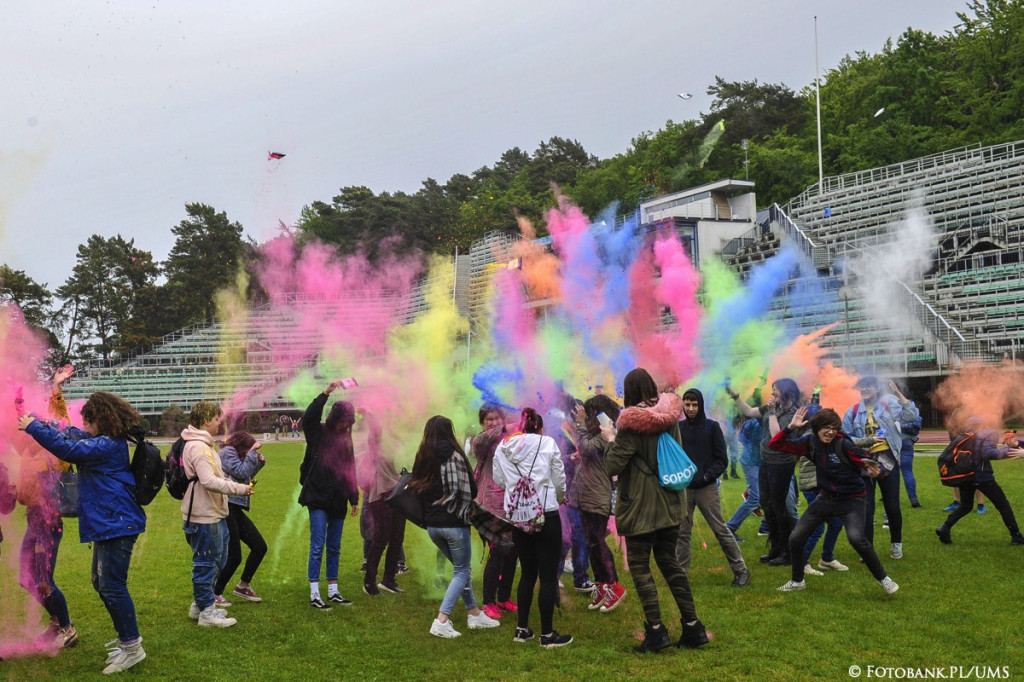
(458, 487)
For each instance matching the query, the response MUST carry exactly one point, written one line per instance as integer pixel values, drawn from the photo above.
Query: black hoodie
(704, 443)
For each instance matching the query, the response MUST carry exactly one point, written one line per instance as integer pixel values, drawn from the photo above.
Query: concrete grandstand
(966, 303)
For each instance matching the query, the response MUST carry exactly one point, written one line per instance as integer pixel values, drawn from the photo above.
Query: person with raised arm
(838, 463)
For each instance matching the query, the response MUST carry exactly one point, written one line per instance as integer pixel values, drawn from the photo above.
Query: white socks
(314, 591)
(332, 589)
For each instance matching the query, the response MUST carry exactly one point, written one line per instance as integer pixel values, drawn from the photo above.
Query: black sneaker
(402, 568)
(362, 569)
(553, 639)
(371, 589)
(318, 603)
(338, 599)
(944, 535)
(392, 587)
(741, 579)
(1017, 539)
(523, 635)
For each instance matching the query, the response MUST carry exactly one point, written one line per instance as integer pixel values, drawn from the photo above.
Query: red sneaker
(492, 611)
(508, 605)
(600, 594)
(615, 594)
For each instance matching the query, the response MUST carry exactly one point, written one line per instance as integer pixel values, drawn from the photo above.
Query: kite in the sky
(274, 155)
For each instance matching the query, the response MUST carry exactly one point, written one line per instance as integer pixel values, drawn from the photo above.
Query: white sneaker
(897, 551)
(811, 571)
(444, 630)
(833, 565)
(481, 621)
(214, 617)
(888, 585)
(125, 658)
(193, 613)
(792, 586)
(113, 650)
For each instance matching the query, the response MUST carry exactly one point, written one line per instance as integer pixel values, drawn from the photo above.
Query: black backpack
(174, 470)
(958, 461)
(147, 467)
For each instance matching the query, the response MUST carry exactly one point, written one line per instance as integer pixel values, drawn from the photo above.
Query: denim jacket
(888, 413)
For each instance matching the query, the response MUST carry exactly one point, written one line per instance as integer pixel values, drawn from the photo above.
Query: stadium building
(957, 218)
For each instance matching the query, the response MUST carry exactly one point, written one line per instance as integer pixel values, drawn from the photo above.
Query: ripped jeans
(209, 543)
(110, 559)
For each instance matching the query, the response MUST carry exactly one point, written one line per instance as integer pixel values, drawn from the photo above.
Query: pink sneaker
(492, 611)
(508, 605)
(220, 601)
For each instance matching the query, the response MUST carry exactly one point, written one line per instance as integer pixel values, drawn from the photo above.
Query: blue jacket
(750, 437)
(987, 447)
(106, 505)
(240, 471)
(888, 412)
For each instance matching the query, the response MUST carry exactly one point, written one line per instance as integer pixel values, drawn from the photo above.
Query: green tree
(205, 258)
(33, 298)
(101, 293)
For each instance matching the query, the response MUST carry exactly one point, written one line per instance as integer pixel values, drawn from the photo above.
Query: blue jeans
(834, 527)
(209, 543)
(907, 469)
(110, 559)
(39, 559)
(457, 547)
(574, 537)
(753, 501)
(324, 529)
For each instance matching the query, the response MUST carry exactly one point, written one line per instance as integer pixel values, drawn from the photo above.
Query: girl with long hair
(648, 515)
(775, 475)
(241, 460)
(441, 477)
(108, 515)
(528, 453)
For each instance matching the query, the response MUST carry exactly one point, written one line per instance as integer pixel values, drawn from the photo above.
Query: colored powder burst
(22, 354)
(677, 289)
(800, 360)
(838, 388)
(991, 395)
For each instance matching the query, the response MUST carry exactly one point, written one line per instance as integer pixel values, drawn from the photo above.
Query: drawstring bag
(675, 470)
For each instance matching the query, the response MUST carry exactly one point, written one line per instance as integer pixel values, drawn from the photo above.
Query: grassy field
(958, 605)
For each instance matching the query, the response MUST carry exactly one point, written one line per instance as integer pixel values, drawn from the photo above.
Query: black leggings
(385, 528)
(539, 554)
(890, 488)
(994, 493)
(241, 529)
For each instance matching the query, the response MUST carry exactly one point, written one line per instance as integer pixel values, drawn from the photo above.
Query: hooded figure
(328, 471)
(703, 441)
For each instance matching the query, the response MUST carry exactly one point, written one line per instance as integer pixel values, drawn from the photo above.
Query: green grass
(957, 605)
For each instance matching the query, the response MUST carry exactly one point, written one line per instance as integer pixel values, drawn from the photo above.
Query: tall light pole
(817, 101)
(745, 143)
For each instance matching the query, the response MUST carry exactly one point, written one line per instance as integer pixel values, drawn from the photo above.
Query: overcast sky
(115, 115)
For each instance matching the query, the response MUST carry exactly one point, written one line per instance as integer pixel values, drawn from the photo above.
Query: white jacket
(518, 453)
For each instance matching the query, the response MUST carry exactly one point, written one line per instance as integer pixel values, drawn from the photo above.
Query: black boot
(655, 639)
(732, 470)
(725, 475)
(693, 635)
(943, 533)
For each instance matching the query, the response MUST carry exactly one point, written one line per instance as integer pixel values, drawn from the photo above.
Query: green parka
(642, 505)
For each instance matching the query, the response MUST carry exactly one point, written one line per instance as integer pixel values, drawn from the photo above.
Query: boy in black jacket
(703, 441)
(838, 463)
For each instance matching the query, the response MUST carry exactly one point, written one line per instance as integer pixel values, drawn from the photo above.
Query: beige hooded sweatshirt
(210, 503)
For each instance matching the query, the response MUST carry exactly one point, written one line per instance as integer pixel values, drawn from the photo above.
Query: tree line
(919, 95)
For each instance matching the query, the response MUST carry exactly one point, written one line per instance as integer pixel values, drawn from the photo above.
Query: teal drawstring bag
(675, 470)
